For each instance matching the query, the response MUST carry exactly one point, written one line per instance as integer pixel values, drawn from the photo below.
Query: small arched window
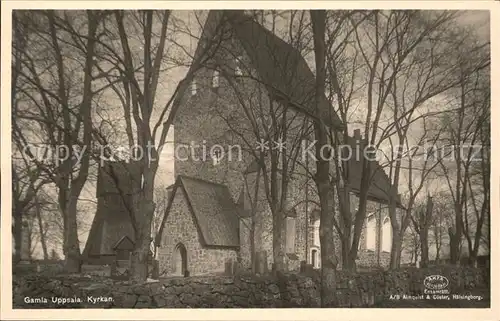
(314, 258)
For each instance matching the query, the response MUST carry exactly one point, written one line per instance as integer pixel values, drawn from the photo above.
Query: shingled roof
(381, 189)
(215, 213)
(280, 67)
(116, 183)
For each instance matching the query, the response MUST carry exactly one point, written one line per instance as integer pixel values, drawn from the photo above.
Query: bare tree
(422, 224)
(161, 198)
(388, 63)
(133, 73)
(62, 108)
(463, 128)
(328, 256)
(276, 168)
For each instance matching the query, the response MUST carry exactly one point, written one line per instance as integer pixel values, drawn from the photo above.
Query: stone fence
(241, 291)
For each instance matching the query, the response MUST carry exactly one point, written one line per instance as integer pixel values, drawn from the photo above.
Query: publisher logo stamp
(436, 288)
(436, 284)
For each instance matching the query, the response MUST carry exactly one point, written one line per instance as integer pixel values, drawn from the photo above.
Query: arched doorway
(179, 260)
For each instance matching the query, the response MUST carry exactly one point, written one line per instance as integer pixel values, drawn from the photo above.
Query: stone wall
(369, 259)
(285, 291)
(180, 228)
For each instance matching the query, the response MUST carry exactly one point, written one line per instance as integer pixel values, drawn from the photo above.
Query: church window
(314, 258)
(316, 240)
(386, 235)
(371, 232)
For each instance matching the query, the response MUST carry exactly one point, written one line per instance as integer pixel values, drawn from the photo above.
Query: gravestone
(237, 268)
(303, 265)
(307, 269)
(261, 262)
(228, 267)
(25, 244)
(155, 271)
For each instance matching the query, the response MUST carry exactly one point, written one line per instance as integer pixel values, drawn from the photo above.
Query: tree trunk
(72, 244)
(425, 222)
(472, 258)
(328, 256)
(456, 239)
(139, 259)
(17, 214)
(437, 237)
(416, 250)
(397, 243)
(346, 226)
(17, 230)
(346, 246)
(43, 242)
(278, 246)
(453, 245)
(62, 201)
(359, 217)
(396, 239)
(424, 248)
(438, 250)
(143, 211)
(252, 246)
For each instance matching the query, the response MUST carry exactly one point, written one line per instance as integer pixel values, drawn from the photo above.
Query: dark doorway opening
(180, 260)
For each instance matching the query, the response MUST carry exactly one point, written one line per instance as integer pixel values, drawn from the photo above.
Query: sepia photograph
(249, 158)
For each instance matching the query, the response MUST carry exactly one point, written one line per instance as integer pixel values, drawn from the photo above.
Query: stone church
(217, 209)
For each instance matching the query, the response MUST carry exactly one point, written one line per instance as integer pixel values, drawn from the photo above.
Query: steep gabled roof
(280, 67)
(125, 243)
(119, 177)
(381, 188)
(214, 212)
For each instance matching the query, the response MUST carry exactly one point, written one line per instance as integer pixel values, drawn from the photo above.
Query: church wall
(180, 228)
(204, 116)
